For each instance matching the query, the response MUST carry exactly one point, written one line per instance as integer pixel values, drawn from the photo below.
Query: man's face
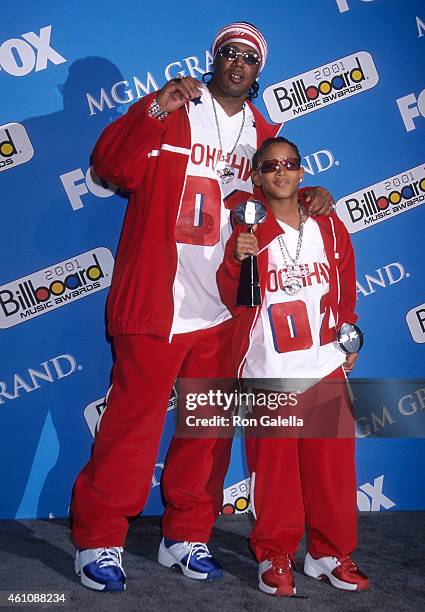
(234, 77)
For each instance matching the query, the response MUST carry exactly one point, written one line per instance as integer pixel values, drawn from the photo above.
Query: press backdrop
(348, 79)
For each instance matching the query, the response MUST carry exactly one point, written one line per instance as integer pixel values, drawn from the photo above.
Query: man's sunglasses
(272, 165)
(231, 53)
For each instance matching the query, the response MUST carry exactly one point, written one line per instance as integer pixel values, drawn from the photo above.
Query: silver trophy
(249, 213)
(350, 338)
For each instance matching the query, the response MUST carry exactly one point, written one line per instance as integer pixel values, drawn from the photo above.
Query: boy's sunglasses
(231, 53)
(272, 165)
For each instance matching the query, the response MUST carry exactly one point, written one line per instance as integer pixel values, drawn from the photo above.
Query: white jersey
(197, 304)
(291, 338)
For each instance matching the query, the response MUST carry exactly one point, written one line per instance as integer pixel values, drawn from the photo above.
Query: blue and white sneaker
(193, 558)
(101, 568)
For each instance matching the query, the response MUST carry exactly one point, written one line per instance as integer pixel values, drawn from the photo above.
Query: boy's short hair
(260, 152)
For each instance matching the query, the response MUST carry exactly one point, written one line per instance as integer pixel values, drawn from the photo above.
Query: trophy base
(248, 295)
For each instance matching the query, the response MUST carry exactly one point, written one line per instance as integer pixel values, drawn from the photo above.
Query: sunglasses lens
(228, 53)
(251, 59)
(292, 163)
(269, 165)
(231, 53)
(272, 165)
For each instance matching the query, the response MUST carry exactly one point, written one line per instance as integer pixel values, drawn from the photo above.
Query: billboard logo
(236, 498)
(415, 320)
(53, 287)
(383, 200)
(20, 57)
(320, 87)
(93, 412)
(15, 146)
(410, 108)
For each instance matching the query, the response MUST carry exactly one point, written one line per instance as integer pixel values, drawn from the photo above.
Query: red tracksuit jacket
(342, 280)
(141, 295)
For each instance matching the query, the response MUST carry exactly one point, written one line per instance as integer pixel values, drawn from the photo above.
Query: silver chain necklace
(294, 270)
(223, 169)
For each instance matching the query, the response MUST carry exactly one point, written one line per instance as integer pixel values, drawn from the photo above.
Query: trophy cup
(350, 338)
(249, 213)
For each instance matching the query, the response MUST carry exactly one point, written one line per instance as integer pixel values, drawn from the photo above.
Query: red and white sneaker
(342, 573)
(275, 575)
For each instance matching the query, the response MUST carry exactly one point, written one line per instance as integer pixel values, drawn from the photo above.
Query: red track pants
(116, 481)
(297, 482)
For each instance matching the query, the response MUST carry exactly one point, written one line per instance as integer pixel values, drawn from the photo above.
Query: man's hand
(318, 200)
(246, 244)
(176, 92)
(349, 362)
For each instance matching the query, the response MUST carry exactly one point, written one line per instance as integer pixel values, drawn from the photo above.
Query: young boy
(307, 281)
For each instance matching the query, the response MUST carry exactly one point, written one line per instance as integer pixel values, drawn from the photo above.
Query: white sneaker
(101, 568)
(342, 572)
(275, 575)
(193, 558)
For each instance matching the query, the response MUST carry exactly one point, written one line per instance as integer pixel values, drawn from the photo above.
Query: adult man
(184, 153)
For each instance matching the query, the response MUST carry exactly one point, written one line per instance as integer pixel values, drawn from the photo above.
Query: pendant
(292, 286)
(301, 270)
(224, 171)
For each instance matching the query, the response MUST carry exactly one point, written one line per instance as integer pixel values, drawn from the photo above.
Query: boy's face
(280, 183)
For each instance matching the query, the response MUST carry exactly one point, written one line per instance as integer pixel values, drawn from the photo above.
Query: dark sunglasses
(272, 165)
(231, 53)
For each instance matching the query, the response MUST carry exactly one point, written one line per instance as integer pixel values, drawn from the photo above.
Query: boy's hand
(246, 244)
(349, 362)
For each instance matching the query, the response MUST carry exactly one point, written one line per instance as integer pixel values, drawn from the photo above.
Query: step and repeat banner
(347, 77)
